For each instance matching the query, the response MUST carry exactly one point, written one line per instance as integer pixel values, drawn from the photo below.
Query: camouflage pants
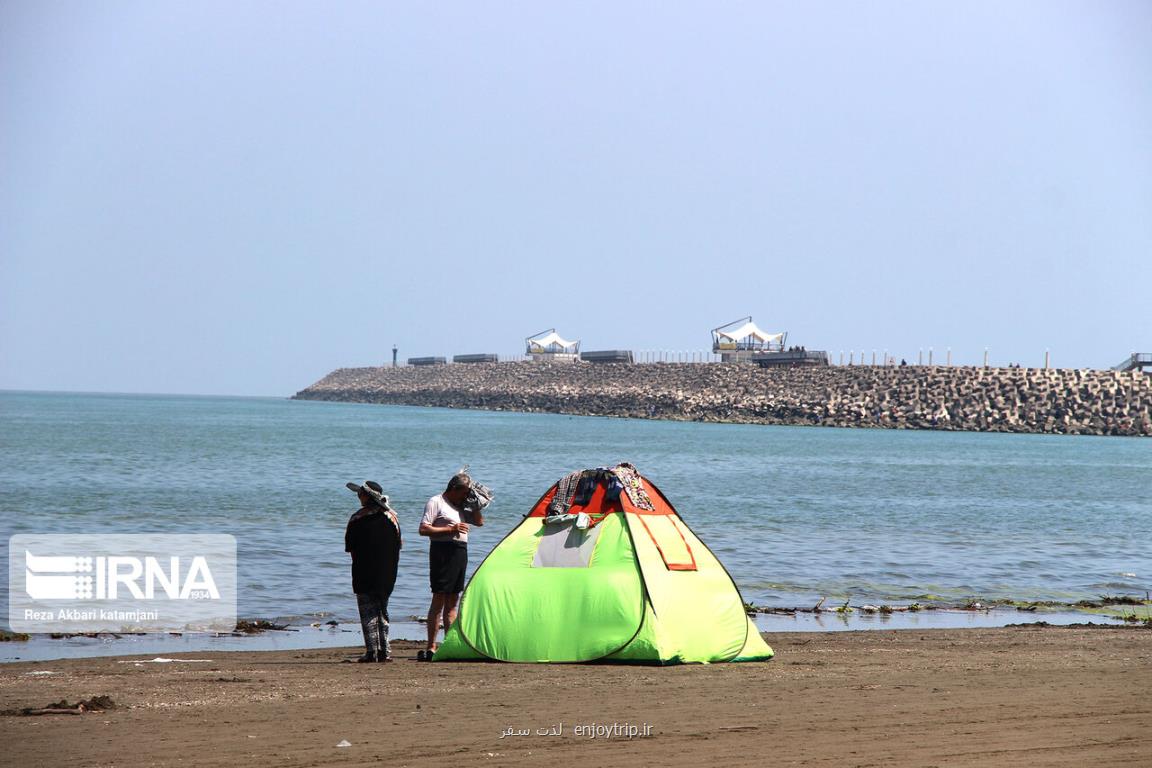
(374, 621)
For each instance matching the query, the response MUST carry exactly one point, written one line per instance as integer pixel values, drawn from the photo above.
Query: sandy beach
(1017, 696)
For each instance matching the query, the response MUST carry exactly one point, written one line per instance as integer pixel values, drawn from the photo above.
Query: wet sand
(1020, 696)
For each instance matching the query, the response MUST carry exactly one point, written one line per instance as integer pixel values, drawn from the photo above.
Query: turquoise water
(795, 513)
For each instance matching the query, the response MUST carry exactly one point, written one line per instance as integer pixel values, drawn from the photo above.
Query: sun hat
(373, 489)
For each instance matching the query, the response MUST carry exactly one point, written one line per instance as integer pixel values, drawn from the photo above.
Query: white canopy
(542, 343)
(750, 330)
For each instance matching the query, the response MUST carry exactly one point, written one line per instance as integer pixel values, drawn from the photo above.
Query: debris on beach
(884, 609)
(1132, 618)
(344, 743)
(1107, 605)
(1123, 600)
(1135, 623)
(12, 637)
(846, 607)
(62, 707)
(257, 626)
(163, 660)
(972, 605)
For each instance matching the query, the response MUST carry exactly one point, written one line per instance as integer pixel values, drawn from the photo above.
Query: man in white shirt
(446, 524)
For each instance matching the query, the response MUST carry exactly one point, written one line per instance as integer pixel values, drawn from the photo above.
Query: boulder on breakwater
(1063, 401)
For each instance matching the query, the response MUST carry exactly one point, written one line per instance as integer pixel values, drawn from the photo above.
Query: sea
(800, 516)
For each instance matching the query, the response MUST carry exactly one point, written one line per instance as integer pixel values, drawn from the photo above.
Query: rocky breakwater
(1063, 401)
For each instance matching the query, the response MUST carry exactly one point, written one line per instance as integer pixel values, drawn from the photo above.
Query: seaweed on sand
(62, 707)
(257, 626)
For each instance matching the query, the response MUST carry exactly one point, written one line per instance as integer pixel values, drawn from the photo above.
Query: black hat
(373, 489)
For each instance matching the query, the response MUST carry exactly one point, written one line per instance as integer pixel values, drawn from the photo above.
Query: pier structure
(969, 398)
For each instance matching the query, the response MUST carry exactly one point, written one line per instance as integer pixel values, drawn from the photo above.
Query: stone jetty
(1062, 401)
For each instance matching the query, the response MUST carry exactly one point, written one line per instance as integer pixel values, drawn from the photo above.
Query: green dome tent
(608, 573)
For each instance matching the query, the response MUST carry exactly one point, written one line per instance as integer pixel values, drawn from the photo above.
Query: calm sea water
(794, 513)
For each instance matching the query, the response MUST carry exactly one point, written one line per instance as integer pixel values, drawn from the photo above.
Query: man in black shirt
(373, 540)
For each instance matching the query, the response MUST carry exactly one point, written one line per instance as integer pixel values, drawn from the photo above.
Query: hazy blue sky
(237, 197)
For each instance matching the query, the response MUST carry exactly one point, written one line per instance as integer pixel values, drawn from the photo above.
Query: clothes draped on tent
(577, 487)
(629, 477)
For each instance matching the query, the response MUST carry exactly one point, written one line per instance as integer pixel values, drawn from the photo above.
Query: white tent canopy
(750, 330)
(550, 341)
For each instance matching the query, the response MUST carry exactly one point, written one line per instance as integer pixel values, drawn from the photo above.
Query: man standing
(373, 539)
(446, 521)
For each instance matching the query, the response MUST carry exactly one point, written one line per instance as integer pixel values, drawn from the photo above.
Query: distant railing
(1136, 361)
(746, 346)
(790, 358)
(608, 356)
(870, 358)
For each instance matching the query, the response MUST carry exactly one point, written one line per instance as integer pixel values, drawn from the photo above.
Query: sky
(239, 197)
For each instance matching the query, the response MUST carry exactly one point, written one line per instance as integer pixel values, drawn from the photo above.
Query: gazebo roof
(550, 339)
(750, 331)
(744, 329)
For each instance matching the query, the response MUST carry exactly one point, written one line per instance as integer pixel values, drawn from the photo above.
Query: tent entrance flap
(670, 542)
